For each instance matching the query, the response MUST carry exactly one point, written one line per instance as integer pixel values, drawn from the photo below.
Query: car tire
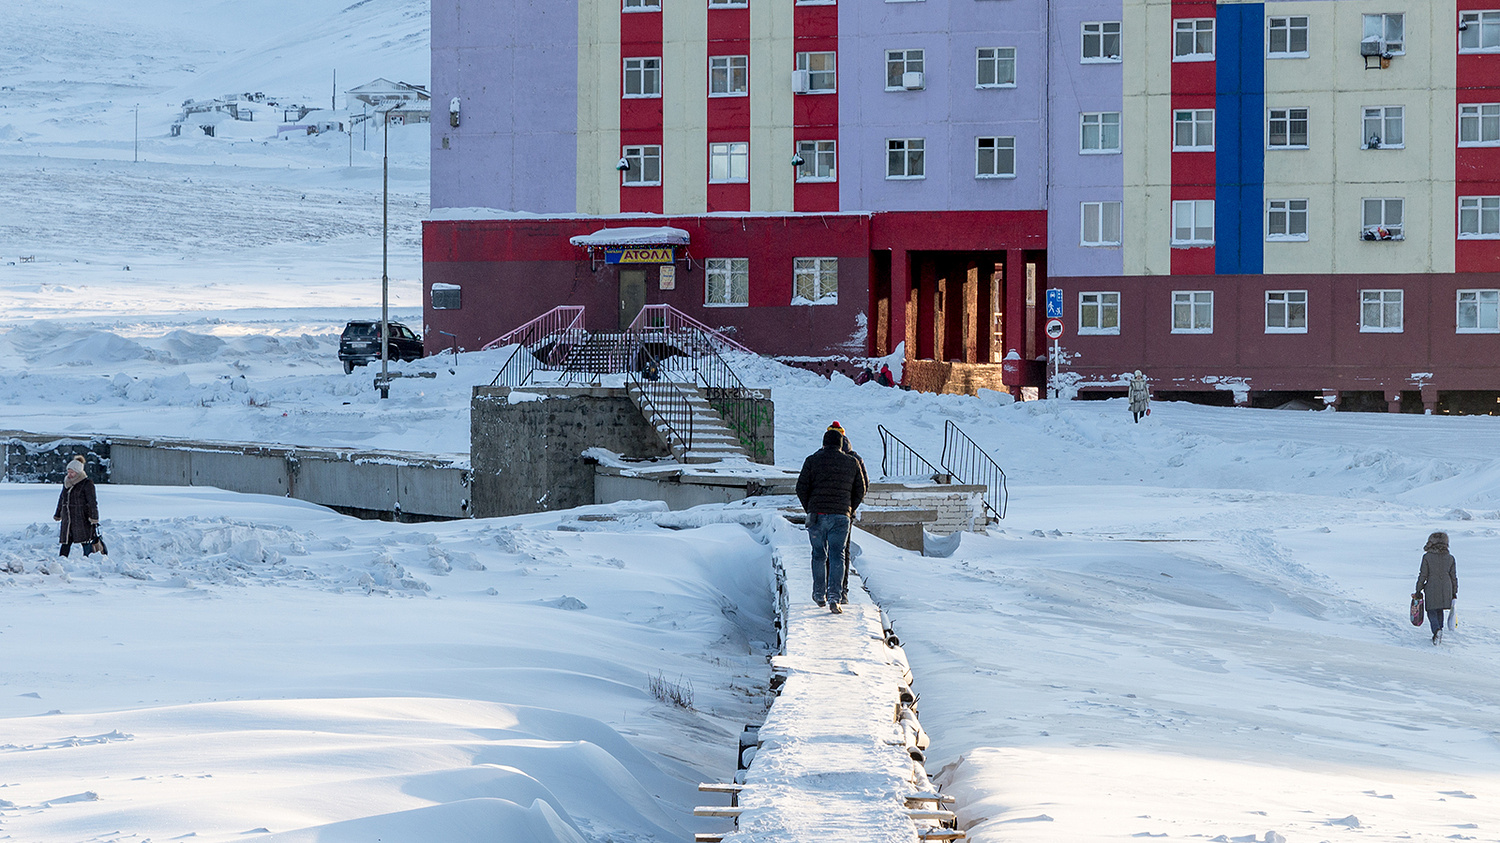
(348, 367)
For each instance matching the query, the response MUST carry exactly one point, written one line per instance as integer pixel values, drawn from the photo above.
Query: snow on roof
(633, 236)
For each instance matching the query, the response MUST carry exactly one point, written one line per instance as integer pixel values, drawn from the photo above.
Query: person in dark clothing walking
(1438, 581)
(77, 510)
(849, 537)
(831, 487)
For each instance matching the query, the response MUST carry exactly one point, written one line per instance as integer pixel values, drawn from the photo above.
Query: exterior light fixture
(623, 165)
(798, 160)
(453, 112)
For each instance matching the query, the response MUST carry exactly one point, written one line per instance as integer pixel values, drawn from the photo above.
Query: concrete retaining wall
(957, 507)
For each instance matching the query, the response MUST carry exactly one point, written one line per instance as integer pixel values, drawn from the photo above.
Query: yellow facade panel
(772, 143)
(597, 181)
(684, 148)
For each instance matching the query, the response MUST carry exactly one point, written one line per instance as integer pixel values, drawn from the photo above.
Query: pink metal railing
(666, 318)
(561, 319)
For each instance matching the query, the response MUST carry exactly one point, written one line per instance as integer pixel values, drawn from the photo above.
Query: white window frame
(1191, 212)
(729, 4)
(723, 271)
(818, 155)
(1290, 115)
(1102, 32)
(830, 74)
(1479, 116)
(911, 149)
(1474, 25)
(731, 70)
(1099, 121)
(729, 162)
(1099, 305)
(999, 145)
(1394, 231)
(1194, 29)
(1102, 212)
(643, 73)
(999, 58)
(1484, 304)
(822, 274)
(1199, 125)
(1290, 210)
(1378, 24)
(1472, 213)
(640, 5)
(1383, 301)
(1288, 24)
(1198, 306)
(1377, 121)
(638, 156)
(1286, 301)
(908, 64)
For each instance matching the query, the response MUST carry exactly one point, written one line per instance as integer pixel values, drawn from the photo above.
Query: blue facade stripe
(1239, 146)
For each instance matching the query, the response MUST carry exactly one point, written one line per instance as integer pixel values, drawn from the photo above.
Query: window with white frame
(1193, 39)
(1101, 223)
(726, 282)
(1286, 37)
(1479, 124)
(905, 158)
(1286, 219)
(822, 71)
(729, 4)
(1099, 313)
(1099, 132)
(728, 76)
(1193, 130)
(819, 160)
(815, 281)
(1193, 222)
(1192, 311)
(995, 67)
(729, 162)
(1389, 30)
(1383, 219)
(1478, 311)
(1384, 127)
(643, 165)
(641, 5)
(1479, 217)
(994, 158)
(1101, 41)
(1380, 311)
(903, 70)
(1479, 32)
(1286, 128)
(1286, 311)
(643, 77)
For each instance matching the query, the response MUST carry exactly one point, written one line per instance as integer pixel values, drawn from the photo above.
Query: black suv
(360, 343)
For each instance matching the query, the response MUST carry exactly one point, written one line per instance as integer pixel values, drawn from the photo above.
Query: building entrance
(632, 295)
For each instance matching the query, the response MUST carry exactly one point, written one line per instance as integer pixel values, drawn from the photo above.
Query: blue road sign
(1054, 304)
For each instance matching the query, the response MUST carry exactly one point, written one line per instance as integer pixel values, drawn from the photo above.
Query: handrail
(734, 402)
(665, 404)
(966, 462)
(906, 459)
(670, 320)
(564, 317)
(602, 354)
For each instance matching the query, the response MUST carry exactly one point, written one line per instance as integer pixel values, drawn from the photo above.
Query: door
(632, 295)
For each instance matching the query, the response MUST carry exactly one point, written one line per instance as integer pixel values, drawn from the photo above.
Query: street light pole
(137, 133)
(385, 280)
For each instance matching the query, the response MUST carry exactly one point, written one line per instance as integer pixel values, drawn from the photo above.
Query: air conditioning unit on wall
(913, 80)
(801, 83)
(1372, 46)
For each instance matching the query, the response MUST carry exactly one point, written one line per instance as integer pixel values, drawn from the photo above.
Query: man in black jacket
(831, 487)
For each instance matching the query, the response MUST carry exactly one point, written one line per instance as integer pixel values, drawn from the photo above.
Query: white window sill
(1478, 144)
(645, 9)
(899, 90)
(730, 94)
(729, 6)
(1194, 57)
(1365, 329)
(1274, 330)
(814, 93)
(641, 96)
(1479, 236)
(1192, 149)
(1286, 238)
(801, 302)
(1384, 146)
(1476, 51)
(1274, 56)
(1192, 244)
(1395, 238)
(1104, 60)
(904, 178)
(831, 180)
(641, 184)
(1098, 332)
(1000, 176)
(728, 181)
(1098, 152)
(1479, 330)
(1101, 244)
(1269, 147)
(990, 87)
(726, 304)
(1192, 330)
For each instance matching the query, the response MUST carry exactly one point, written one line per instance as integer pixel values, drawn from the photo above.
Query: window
(821, 70)
(1380, 311)
(903, 70)
(994, 158)
(1286, 311)
(1193, 130)
(1286, 38)
(1101, 41)
(641, 6)
(1194, 40)
(1286, 219)
(1287, 128)
(1193, 222)
(819, 160)
(1479, 124)
(1479, 217)
(1100, 132)
(728, 162)
(447, 297)
(1385, 127)
(726, 282)
(728, 76)
(643, 77)
(1479, 32)
(644, 165)
(904, 158)
(1389, 30)
(1098, 313)
(995, 68)
(1382, 220)
(1193, 312)
(1101, 223)
(729, 4)
(815, 281)
(1478, 311)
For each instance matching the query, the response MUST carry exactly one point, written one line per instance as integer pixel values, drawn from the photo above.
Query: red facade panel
(1477, 169)
(815, 117)
(641, 117)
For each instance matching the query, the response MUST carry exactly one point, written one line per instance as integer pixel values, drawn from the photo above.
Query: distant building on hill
(383, 92)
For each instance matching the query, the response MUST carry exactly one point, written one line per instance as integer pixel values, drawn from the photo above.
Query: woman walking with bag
(78, 510)
(1438, 581)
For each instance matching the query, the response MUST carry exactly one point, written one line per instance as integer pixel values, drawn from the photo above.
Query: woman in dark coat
(1438, 580)
(77, 510)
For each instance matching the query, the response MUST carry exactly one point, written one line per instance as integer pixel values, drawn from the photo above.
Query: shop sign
(639, 254)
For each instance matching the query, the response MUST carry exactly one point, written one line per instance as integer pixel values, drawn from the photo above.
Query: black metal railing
(603, 354)
(740, 407)
(898, 459)
(663, 402)
(968, 463)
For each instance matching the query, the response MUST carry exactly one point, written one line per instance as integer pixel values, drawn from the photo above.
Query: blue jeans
(828, 534)
(1435, 618)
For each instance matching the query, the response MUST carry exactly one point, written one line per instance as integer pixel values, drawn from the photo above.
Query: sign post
(1055, 332)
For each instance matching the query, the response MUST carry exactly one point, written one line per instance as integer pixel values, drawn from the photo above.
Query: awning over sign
(632, 236)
